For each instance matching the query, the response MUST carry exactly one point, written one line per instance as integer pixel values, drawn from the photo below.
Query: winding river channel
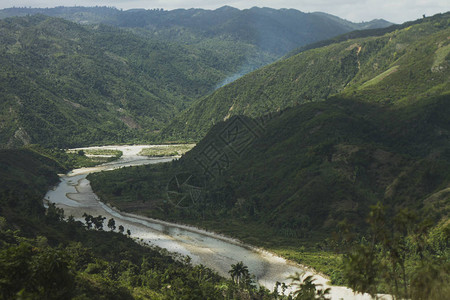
(75, 196)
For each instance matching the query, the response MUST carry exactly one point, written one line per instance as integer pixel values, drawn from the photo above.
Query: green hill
(402, 65)
(258, 36)
(308, 168)
(64, 84)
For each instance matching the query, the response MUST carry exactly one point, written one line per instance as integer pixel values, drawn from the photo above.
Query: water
(74, 194)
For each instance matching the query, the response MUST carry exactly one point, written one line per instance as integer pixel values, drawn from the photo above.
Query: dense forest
(98, 84)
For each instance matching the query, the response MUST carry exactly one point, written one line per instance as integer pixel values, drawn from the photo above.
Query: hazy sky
(397, 11)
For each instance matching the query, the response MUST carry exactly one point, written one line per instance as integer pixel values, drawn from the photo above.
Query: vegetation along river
(75, 196)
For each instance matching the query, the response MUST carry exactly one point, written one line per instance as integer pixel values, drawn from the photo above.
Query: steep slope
(412, 61)
(261, 35)
(64, 84)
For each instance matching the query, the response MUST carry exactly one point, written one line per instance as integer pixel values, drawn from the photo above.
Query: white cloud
(362, 10)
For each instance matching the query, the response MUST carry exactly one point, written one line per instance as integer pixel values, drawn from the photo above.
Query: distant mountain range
(126, 74)
(271, 30)
(258, 35)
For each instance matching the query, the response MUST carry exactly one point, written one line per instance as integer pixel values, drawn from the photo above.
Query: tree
(361, 269)
(398, 254)
(238, 272)
(29, 271)
(88, 219)
(128, 232)
(98, 222)
(112, 224)
(121, 229)
(54, 214)
(306, 289)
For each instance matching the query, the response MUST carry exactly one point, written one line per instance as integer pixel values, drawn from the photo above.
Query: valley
(252, 153)
(75, 196)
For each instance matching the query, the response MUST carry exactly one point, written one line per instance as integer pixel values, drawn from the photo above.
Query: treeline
(402, 254)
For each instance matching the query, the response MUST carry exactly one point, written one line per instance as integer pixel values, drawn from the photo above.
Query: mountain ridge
(130, 84)
(79, 82)
(208, 23)
(344, 67)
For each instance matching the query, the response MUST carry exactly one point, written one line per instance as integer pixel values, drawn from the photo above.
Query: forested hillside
(401, 66)
(306, 169)
(64, 84)
(370, 143)
(86, 84)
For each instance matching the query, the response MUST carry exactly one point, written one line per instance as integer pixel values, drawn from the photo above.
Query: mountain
(64, 84)
(405, 64)
(87, 84)
(305, 169)
(296, 153)
(272, 30)
(260, 34)
(375, 127)
(376, 23)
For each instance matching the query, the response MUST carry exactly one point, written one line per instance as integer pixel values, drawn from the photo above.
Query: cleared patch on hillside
(380, 77)
(440, 58)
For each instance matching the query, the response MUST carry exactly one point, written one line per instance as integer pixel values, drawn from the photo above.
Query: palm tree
(238, 272)
(88, 219)
(322, 294)
(306, 288)
(112, 224)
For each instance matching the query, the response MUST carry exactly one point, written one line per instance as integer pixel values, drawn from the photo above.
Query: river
(74, 194)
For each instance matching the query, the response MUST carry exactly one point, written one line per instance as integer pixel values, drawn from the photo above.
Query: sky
(397, 11)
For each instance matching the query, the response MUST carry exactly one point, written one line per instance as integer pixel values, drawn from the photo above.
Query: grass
(116, 153)
(380, 77)
(92, 157)
(166, 150)
(327, 263)
(441, 54)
